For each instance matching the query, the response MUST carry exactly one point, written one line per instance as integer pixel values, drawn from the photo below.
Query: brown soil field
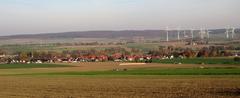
(15, 86)
(125, 87)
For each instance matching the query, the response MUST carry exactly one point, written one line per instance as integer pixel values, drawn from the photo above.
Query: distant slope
(107, 34)
(91, 34)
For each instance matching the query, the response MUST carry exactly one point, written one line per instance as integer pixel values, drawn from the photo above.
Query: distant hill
(108, 34)
(91, 34)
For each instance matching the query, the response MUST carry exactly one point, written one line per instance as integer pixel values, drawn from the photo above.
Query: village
(113, 54)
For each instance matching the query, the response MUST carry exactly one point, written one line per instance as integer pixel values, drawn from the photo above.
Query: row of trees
(190, 53)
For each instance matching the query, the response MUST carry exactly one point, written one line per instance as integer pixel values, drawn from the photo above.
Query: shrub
(237, 59)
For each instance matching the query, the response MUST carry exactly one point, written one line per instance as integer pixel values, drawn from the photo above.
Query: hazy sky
(46, 16)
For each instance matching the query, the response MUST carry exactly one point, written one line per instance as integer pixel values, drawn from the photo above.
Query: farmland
(100, 80)
(180, 71)
(119, 49)
(75, 87)
(17, 66)
(199, 61)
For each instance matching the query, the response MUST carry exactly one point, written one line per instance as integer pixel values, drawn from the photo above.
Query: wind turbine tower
(192, 33)
(167, 33)
(227, 33)
(208, 36)
(178, 31)
(202, 33)
(233, 33)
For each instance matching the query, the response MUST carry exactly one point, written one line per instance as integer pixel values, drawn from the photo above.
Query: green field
(17, 66)
(154, 71)
(28, 47)
(207, 70)
(199, 61)
(144, 47)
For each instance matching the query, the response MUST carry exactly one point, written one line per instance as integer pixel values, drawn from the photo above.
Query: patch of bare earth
(83, 87)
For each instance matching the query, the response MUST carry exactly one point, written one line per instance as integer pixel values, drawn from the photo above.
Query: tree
(188, 53)
(204, 52)
(2, 52)
(214, 51)
(23, 56)
(237, 59)
(75, 54)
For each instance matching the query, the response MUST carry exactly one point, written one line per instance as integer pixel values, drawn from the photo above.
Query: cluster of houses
(101, 58)
(92, 58)
(72, 57)
(115, 58)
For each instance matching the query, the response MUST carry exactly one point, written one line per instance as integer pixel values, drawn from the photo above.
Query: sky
(52, 16)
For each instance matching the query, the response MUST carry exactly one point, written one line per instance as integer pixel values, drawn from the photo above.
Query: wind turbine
(192, 33)
(178, 31)
(233, 32)
(227, 33)
(208, 36)
(202, 33)
(167, 33)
